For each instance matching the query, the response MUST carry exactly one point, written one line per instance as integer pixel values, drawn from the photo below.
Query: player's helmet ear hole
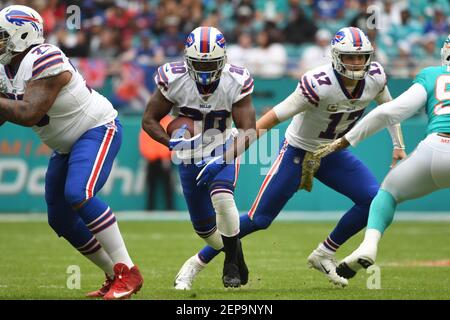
(24, 35)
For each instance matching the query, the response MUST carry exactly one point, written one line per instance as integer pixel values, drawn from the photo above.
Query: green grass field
(34, 263)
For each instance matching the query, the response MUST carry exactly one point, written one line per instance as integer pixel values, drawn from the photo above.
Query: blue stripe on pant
(67, 177)
(341, 171)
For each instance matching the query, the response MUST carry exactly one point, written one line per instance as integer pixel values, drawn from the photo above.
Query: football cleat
(243, 270)
(231, 277)
(187, 274)
(362, 257)
(126, 282)
(103, 290)
(326, 263)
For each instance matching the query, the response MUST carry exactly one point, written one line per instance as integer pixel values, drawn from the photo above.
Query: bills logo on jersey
(338, 37)
(220, 40)
(190, 40)
(19, 18)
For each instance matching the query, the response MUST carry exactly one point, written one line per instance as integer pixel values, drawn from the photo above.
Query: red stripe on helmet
(204, 40)
(357, 41)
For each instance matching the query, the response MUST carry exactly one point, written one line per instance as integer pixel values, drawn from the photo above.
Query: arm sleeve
(395, 130)
(293, 104)
(390, 113)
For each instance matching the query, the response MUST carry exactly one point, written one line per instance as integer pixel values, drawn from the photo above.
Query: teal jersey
(436, 81)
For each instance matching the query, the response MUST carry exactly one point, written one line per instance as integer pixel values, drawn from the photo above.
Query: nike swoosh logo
(324, 269)
(122, 294)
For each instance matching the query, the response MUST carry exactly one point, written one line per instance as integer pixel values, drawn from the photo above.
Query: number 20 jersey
(332, 110)
(176, 85)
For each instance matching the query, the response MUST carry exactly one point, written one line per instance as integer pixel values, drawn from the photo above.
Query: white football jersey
(332, 110)
(213, 112)
(77, 108)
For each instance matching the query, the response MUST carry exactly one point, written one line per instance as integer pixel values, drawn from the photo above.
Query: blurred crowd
(118, 42)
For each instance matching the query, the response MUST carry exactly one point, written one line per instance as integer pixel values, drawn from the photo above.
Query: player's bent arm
(395, 111)
(244, 118)
(157, 108)
(38, 98)
(395, 130)
(289, 107)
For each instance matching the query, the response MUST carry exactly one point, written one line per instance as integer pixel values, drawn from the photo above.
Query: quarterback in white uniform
(41, 89)
(426, 170)
(213, 94)
(326, 104)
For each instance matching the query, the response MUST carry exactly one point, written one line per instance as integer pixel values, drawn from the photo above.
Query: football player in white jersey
(326, 104)
(426, 170)
(214, 94)
(45, 92)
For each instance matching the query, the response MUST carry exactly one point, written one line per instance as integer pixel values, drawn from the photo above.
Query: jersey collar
(357, 92)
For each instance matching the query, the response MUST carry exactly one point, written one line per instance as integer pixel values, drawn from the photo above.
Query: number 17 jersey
(332, 110)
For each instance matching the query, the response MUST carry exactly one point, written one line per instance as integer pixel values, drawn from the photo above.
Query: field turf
(414, 258)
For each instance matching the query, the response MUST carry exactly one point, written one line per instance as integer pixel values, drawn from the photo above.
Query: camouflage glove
(327, 148)
(310, 166)
(3, 87)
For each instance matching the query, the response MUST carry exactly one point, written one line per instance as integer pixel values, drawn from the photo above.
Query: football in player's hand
(177, 123)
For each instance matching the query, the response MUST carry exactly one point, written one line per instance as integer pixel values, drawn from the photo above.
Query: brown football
(177, 123)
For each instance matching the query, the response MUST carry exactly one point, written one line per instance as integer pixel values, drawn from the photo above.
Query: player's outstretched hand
(327, 148)
(211, 167)
(181, 143)
(397, 155)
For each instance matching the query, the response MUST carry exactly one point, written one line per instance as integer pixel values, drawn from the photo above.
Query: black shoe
(231, 276)
(343, 270)
(243, 270)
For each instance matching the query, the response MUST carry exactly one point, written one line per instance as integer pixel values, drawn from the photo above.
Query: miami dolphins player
(214, 94)
(326, 104)
(45, 92)
(426, 170)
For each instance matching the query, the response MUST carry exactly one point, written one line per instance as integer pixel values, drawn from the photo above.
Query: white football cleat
(326, 263)
(363, 257)
(187, 273)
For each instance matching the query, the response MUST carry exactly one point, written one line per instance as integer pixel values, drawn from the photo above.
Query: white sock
(323, 248)
(227, 215)
(200, 262)
(370, 243)
(111, 240)
(215, 240)
(102, 260)
(372, 237)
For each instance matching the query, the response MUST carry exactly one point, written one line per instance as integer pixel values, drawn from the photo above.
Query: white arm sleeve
(384, 96)
(390, 113)
(395, 130)
(293, 104)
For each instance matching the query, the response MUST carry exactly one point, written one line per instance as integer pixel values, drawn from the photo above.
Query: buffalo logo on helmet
(338, 37)
(19, 18)
(190, 40)
(220, 40)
